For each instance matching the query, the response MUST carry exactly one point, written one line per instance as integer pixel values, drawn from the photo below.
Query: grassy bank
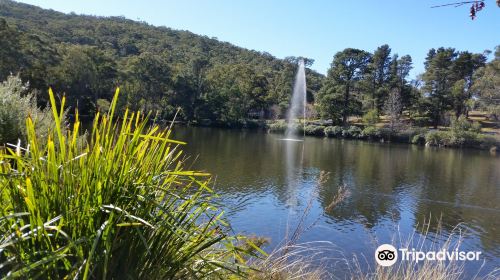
(460, 134)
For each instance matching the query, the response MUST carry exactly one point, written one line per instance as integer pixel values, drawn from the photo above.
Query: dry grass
(293, 260)
(313, 260)
(409, 270)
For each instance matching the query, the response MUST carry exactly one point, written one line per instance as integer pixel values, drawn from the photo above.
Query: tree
(393, 108)
(234, 92)
(400, 69)
(329, 102)
(149, 83)
(347, 68)
(85, 74)
(380, 67)
(464, 67)
(438, 81)
(487, 86)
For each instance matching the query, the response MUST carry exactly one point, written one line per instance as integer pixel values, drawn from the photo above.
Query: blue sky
(314, 28)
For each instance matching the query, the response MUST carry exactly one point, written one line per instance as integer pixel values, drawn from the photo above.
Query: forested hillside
(157, 68)
(162, 70)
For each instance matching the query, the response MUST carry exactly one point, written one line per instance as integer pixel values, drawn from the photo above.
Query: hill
(158, 68)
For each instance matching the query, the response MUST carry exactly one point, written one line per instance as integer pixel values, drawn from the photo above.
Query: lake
(266, 184)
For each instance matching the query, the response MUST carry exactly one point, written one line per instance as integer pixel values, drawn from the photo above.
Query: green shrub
(418, 139)
(315, 130)
(371, 117)
(414, 135)
(333, 131)
(278, 126)
(351, 132)
(437, 138)
(120, 207)
(421, 121)
(461, 124)
(16, 104)
(371, 132)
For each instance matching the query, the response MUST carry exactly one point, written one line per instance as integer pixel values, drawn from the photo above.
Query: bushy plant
(16, 104)
(462, 133)
(461, 124)
(371, 132)
(437, 138)
(418, 139)
(421, 120)
(315, 130)
(333, 131)
(371, 117)
(120, 207)
(351, 132)
(278, 126)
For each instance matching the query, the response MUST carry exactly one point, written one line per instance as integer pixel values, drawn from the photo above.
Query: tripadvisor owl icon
(386, 255)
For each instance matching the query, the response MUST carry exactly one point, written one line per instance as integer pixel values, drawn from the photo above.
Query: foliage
(347, 68)
(487, 84)
(121, 206)
(371, 132)
(278, 126)
(16, 104)
(461, 124)
(462, 133)
(371, 117)
(333, 131)
(315, 130)
(448, 80)
(202, 80)
(158, 68)
(351, 132)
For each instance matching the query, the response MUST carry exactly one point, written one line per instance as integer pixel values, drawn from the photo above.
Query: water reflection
(393, 187)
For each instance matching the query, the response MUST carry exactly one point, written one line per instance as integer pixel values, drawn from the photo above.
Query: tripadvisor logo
(387, 255)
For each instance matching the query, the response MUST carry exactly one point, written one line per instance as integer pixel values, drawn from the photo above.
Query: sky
(315, 29)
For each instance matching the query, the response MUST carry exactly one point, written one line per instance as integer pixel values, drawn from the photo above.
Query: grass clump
(122, 206)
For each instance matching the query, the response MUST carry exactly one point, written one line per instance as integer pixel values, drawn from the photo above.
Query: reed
(119, 206)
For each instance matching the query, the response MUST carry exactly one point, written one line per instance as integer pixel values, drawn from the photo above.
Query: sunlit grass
(119, 205)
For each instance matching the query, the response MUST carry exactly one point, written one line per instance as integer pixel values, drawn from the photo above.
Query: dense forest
(157, 68)
(162, 70)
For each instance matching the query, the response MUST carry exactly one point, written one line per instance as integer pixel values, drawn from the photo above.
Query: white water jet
(298, 106)
(294, 152)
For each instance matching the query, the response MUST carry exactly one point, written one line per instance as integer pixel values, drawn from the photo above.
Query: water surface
(265, 184)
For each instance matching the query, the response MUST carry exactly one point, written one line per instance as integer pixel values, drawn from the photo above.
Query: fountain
(298, 106)
(294, 164)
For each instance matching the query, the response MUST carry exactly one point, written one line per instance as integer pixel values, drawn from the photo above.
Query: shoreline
(420, 136)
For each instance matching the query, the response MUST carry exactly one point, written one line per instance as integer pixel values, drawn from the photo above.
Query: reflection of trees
(371, 174)
(386, 181)
(461, 187)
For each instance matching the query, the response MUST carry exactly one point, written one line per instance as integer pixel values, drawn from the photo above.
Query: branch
(457, 4)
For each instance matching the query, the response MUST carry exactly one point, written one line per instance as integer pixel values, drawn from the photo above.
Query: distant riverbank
(462, 137)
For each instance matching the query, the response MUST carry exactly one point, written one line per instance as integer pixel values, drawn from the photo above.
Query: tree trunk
(345, 112)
